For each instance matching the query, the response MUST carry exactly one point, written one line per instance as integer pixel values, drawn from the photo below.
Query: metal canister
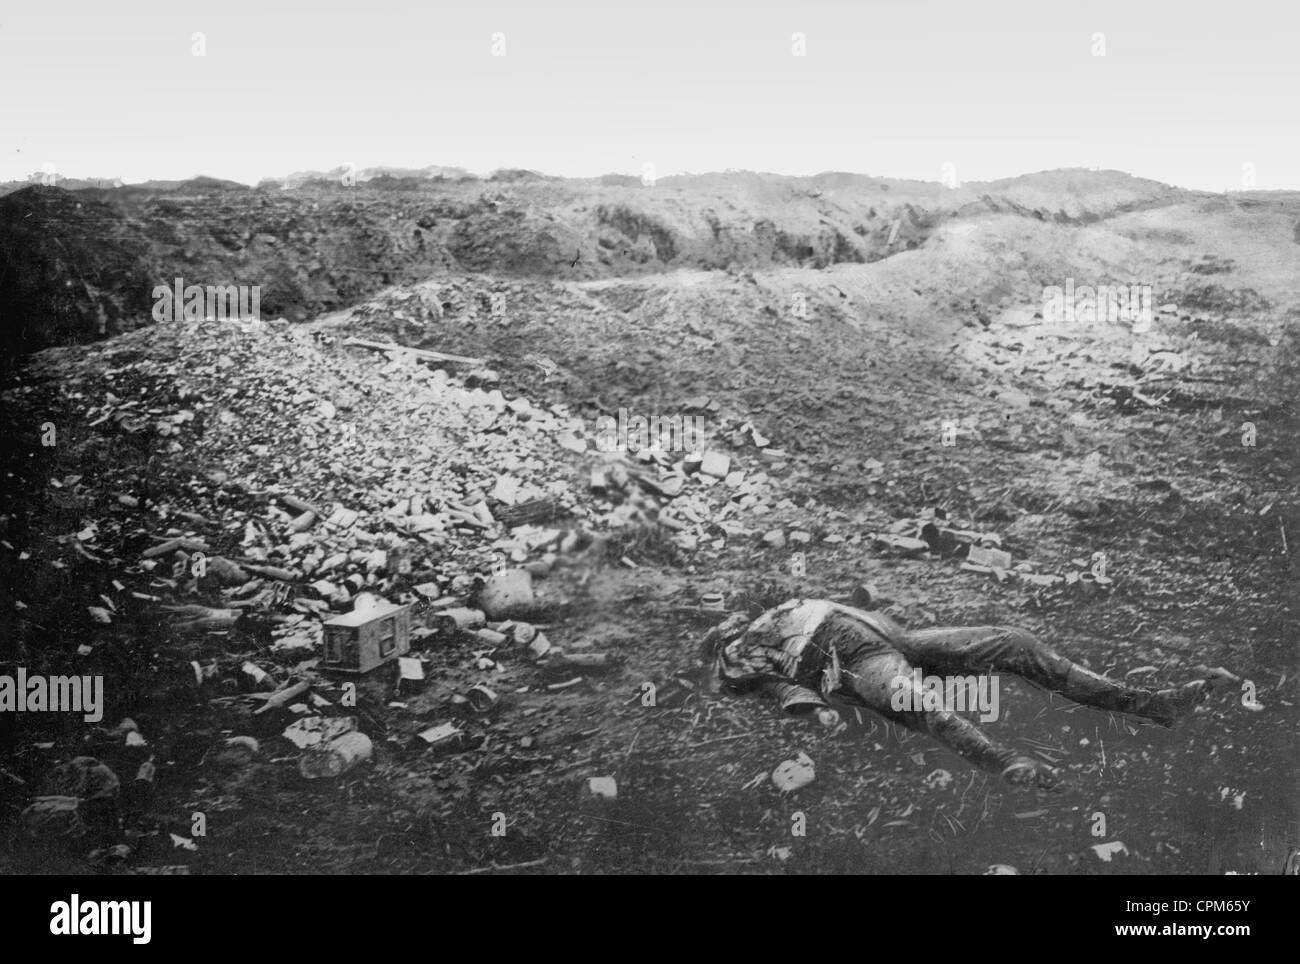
(482, 699)
(399, 560)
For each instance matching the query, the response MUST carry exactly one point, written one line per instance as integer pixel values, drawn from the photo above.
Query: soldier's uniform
(806, 652)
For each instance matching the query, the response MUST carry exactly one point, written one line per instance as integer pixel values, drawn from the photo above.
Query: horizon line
(374, 172)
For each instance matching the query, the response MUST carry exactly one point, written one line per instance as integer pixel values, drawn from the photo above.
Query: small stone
(53, 816)
(506, 490)
(236, 752)
(334, 561)
(793, 774)
(993, 558)
(715, 464)
(540, 646)
(1014, 399)
(507, 594)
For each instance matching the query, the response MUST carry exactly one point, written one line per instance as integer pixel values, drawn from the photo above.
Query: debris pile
(282, 485)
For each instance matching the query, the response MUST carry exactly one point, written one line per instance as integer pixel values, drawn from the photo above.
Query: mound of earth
(315, 244)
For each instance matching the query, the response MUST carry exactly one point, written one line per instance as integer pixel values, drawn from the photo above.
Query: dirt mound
(315, 244)
(73, 268)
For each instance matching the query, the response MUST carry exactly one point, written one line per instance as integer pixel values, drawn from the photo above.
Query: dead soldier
(808, 652)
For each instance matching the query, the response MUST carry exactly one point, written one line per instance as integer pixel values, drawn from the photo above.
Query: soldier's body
(809, 651)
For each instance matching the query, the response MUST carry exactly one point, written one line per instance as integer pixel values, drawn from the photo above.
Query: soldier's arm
(801, 701)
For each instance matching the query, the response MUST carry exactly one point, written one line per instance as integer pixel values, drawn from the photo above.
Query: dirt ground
(1065, 441)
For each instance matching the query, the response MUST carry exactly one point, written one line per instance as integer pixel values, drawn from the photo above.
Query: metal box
(360, 642)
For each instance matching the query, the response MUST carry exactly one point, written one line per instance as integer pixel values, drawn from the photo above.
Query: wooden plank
(417, 352)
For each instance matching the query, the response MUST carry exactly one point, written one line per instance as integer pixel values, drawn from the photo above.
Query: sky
(1200, 95)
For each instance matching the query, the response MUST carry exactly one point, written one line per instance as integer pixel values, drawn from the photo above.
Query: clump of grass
(759, 594)
(643, 542)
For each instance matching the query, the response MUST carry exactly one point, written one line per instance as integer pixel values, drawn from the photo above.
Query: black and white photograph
(622, 438)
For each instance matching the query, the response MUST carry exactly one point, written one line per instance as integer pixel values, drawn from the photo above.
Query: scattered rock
(336, 757)
(793, 774)
(507, 595)
(715, 464)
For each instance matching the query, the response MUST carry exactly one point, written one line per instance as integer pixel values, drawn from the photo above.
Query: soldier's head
(720, 635)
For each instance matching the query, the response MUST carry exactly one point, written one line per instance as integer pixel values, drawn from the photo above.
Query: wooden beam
(417, 352)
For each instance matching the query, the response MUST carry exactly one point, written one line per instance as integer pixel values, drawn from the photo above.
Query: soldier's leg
(1006, 649)
(884, 682)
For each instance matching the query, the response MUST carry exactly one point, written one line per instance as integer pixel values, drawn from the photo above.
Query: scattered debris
(335, 757)
(1106, 851)
(790, 775)
(367, 638)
